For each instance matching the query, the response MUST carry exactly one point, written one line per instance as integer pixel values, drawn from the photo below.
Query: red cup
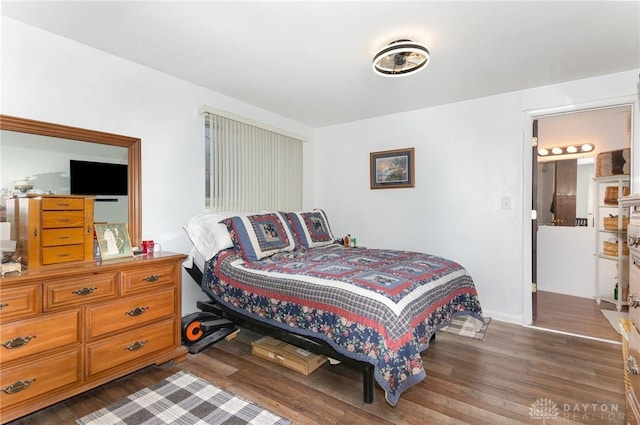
(147, 247)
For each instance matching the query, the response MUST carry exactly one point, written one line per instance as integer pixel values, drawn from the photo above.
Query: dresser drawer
(62, 254)
(39, 377)
(55, 219)
(62, 204)
(129, 312)
(147, 279)
(118, 350)
(37, 335)
(63, 236)
(80, 290)
(634, 289)
(19, 302)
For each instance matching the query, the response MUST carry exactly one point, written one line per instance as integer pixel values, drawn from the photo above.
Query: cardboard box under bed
(287, 355)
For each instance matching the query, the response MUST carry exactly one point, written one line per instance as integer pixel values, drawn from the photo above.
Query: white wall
(50, 78)
(469, 155)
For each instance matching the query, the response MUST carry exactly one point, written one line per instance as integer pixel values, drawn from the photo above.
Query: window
(250, 168)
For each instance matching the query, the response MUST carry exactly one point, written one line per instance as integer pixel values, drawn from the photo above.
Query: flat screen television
(98, 178)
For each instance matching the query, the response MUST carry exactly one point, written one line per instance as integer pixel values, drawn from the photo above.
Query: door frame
(527, 172)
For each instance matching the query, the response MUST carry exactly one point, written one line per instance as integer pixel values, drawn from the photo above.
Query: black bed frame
(311, 344)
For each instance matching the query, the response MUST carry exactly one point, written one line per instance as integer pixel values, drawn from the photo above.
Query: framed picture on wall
(392, 169)
(113, 240)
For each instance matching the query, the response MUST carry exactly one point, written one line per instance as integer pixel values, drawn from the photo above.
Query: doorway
(563, 246)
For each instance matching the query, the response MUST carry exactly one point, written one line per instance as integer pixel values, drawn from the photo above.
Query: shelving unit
(610, 221)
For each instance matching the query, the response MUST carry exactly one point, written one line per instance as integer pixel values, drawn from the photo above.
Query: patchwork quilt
(374, 305)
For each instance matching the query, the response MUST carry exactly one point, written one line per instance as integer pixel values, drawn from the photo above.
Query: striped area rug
(467, 326)
(182, 399)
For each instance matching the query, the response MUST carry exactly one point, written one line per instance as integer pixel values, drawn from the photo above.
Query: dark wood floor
(495, 381)
(575, 315)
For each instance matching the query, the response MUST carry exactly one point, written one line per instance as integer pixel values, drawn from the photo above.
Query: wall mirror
(565, 192)
(84, 143)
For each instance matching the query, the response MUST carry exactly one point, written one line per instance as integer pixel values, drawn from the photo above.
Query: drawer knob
(17, 386)
(3, 306)
(17, 342)
(136, 346)
(137, 311)
(632, 366)
(84, 291)
(152, 278)
(633, 300)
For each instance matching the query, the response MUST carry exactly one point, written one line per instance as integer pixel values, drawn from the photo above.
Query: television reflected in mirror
(97, 178)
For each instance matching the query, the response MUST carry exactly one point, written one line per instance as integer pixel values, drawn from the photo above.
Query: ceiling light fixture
(23, 185)
(566, 150)
(401, 57)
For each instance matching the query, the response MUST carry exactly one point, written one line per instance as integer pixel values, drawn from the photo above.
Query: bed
(375, 307)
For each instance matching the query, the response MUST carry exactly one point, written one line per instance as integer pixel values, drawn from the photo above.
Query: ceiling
(310, 61)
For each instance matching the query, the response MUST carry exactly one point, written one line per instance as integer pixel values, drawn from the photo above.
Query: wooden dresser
(52, 229)
(64, 330)
(631, 328)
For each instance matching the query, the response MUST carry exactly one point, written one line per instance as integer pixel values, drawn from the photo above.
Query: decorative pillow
(261, 235)
(311, 228)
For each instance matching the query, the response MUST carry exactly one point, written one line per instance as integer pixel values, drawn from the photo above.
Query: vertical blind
(249, 168)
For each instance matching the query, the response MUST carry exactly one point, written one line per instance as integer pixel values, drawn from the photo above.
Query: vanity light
(400, 57)
(566, 150)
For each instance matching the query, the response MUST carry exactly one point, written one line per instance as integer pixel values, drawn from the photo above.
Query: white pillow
(208, 235)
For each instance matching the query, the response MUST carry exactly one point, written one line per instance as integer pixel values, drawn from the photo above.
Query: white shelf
(606, 276)
(619, 303)
(611, 257)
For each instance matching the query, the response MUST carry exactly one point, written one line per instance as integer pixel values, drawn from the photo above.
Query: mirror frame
(132, 144)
